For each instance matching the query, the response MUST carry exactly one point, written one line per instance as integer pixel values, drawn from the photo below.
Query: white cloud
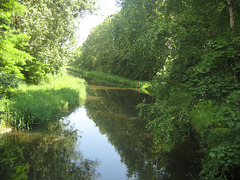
(107, 7)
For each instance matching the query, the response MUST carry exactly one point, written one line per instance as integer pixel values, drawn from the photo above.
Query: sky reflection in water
(95, 146)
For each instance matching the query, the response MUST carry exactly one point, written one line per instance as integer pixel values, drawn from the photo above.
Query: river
(104, 139)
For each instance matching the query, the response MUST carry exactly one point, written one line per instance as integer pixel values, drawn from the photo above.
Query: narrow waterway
(104, 139)
(111, 132)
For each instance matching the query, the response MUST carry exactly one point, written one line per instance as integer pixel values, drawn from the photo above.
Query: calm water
(104, 139)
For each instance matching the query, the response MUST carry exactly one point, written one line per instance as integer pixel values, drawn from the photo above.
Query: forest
(188, 50)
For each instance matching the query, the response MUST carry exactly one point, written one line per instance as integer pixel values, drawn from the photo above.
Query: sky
(107, 8)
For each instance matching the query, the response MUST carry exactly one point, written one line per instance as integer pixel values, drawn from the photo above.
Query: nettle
(216, 78)
(223, 141)
(217, 74)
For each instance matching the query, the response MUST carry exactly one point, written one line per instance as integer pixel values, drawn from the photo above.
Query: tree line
(190, 50)
(146, 36)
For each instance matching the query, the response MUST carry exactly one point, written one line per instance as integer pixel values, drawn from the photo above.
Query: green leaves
(12, 58)
(50, 26)
(13, 55)
(222, 140)
(226, 154)
(7, 82)
(215, 75)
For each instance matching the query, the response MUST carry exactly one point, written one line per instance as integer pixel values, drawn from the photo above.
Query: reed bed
(31, 104)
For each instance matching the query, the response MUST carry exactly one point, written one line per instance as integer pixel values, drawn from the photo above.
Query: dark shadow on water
(114, 112)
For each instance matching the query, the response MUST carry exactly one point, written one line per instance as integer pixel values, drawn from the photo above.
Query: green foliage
(94, 55)
(13, 55)
(223, 161)
(138, 41)
(12, 58)
(3, 108)
(7, 82)
(204, 114)
(223, 139)
(34, 40)
(218, 72)
(35, 104)
(216, 77)
(50, 26)
(169, 118)
(112, 47)
(207, 70)
(35, 36)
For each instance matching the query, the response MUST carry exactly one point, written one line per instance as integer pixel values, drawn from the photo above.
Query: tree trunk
(231, 13)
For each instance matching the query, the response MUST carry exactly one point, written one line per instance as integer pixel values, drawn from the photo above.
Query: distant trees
(146, 34)
(98, 49)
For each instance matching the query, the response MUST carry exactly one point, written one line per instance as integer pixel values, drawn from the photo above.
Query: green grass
(36, 104)
(115, 79)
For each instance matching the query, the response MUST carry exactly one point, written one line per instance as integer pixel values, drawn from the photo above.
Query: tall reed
(37, 104)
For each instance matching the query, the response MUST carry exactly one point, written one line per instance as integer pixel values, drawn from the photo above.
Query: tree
(123, 32)
(13, 55)
(36, 36)
(231, 13)
(50, 25)
(98, 52)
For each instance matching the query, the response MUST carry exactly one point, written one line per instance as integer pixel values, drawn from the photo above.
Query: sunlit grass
(36, 104)
(115, 79)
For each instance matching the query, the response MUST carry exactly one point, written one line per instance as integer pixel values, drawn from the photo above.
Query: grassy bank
(35, 104)
(119, 80)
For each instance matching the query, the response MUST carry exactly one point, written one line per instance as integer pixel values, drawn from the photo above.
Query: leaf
(220, 155)
(238, 125)
(212, 154)
(230, 123)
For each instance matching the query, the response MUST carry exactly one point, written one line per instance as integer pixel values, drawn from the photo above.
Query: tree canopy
(147, 35)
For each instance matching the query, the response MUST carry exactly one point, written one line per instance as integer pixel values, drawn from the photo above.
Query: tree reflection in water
(55, 155)
(113, 111)
(44, 156)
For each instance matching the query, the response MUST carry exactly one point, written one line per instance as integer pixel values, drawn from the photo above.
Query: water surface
(104, 139)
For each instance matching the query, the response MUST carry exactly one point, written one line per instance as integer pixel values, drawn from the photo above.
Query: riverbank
(144, 86)
(31, 104)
